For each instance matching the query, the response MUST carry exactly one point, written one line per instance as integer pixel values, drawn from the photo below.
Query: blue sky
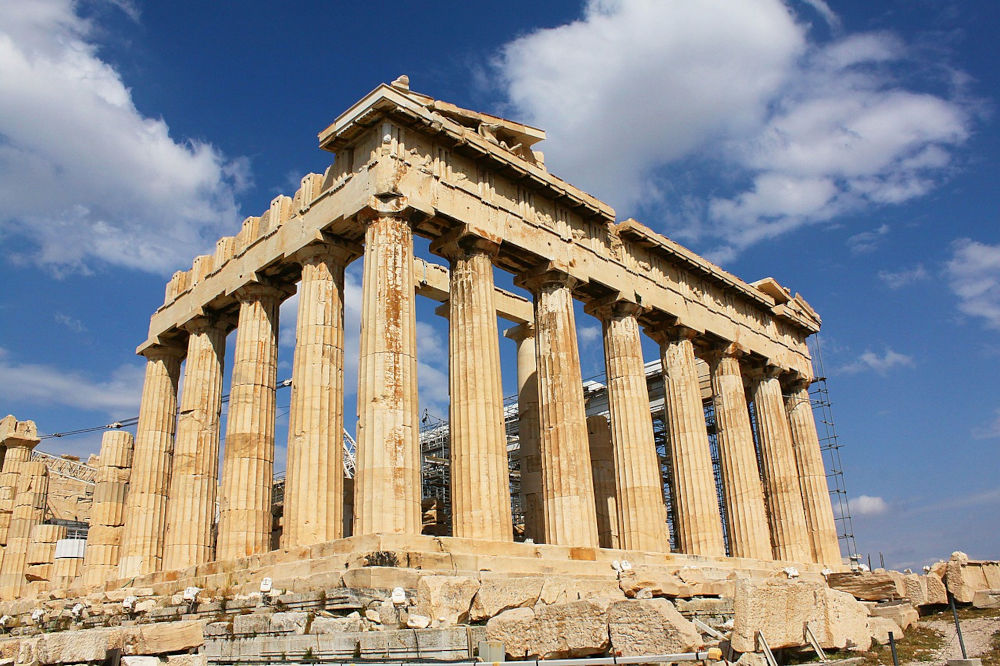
(849, 149)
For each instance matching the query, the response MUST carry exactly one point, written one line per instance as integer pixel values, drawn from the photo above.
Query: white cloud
(903, 278)
(588, 334)
(802, 131)
(866, 505)
(878, 363)
(85, 175)
(974, 276)
(41, 384)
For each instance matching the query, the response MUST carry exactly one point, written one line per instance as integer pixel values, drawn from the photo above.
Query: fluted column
(699, 525)
(789, 539)
(528, 431)
(194, 480)
(18, 438)
(29, 510)
(602, 467)
(567, 484)
(248, 459)
(107, 513)
(812, 476)
(387, 480)
(642, 516)
(746, 516)
(314, 482)
(480, 477)
(146, 506)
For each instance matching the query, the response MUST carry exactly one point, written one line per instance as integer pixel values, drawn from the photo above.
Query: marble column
(567, 484)
(314, 482)
(699, 525)
(146, 506)
(107, 513)
(480, 477)
(812, 476)
(387, 480)
(194, 480)
(642, 515)
(602, 466)
(528, 431)
(248, 459)
(789, 539)
(746, 516)
(29, 510)
(18, 438)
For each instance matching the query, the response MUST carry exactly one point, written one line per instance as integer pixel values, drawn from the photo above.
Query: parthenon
(591, 492)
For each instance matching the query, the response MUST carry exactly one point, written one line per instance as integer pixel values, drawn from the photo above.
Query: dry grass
(918, 644)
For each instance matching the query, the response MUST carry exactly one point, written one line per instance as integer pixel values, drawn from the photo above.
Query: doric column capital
(335, 251)
(203, 323)
(163, 352)
(545, 276)
(520, 332)
(716, 352)
(258, 291)
(795, 381)
(667, 334)
(461, 244)
(380, 207)
(613, 306)
(14, 433)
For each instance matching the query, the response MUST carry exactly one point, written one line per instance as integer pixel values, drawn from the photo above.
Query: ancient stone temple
(168, 516)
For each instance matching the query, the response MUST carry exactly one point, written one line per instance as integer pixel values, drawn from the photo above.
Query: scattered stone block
(499, 593)
(446, 599)
(659, 583)
(986, 599)
(252, 623)
(289, 622)
(879, 628)
(565, 589)
(164, 637)
(653, 626)
(781, 609)
(574, 629)
(70, 647)
(865, 585)
(140, 661)
(903, 614)
(335, 625)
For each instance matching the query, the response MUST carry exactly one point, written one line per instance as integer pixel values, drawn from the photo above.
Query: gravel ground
(977, 633)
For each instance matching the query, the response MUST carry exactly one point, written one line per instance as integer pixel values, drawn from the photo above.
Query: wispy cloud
(71, 323)
(880, 363)
(129, 194)
(801, 130)
(118, 395)
(867, 241)
(988, 430)
(974, 276)
(903, 278)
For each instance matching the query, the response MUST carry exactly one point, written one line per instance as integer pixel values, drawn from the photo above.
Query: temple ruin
(591, 516)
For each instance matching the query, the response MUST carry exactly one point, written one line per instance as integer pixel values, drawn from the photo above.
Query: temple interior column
(742, 493)
(642, 516)
(480, 477)
(699, 524)
(107, 513)
(812, 476)
(786, 516)
(146, 506)
(387, 480)
(567, 484)
(248, 459)
(528, 431)
(194, 478)
(314, 483)
(602, 466)
(29, 510)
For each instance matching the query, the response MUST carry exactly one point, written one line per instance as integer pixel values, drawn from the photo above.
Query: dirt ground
(978, 633)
